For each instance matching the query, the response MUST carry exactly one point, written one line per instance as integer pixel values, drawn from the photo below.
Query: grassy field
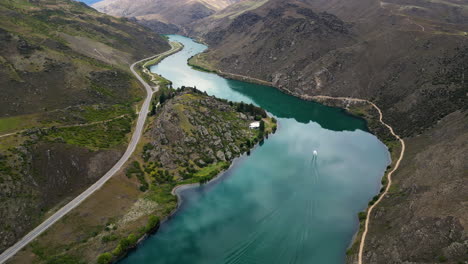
(99, 136)
(178, 46)
(211, 169)
(200, 62)
(15, 123)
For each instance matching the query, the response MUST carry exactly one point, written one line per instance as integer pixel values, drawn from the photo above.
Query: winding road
(10, 252)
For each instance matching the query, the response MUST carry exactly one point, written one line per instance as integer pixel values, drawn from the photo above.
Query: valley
(359, 158)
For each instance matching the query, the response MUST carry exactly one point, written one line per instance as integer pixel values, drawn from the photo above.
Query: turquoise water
(281, 204)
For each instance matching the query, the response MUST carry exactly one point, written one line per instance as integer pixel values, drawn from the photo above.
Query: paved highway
(96, 186)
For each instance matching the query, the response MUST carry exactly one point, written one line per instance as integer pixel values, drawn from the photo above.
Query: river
(280, 204)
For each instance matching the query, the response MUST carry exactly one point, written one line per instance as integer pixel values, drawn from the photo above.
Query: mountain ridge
(163, 16)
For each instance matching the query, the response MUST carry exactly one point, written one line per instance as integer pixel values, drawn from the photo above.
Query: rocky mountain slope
(190, 138)
(67, 103)
(163, 16)
(409, 59)
(308, 52)
(222, 17)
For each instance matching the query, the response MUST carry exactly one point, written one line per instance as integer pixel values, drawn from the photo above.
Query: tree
(104, 258)
(362, 216)
(162, 98)
(262, 126)
(153, 109)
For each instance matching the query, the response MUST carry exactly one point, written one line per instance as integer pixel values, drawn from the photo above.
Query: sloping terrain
(411, 59)
(423, 219)
(67, 105)
(384, 58)
(163, 16)
(223, 16)
(59, 53)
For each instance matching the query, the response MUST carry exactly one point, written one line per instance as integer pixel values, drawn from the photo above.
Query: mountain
(222, 17)
(377, 55)
(67, 106)
(163, 16)
(411, 59)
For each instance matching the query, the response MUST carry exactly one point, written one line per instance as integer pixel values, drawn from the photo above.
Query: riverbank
(150, 77)
(198, 62)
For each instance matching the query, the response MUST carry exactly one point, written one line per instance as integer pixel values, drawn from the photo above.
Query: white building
(254, 125)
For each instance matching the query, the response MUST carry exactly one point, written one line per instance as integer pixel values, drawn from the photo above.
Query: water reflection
(269, 98)
(281, 204)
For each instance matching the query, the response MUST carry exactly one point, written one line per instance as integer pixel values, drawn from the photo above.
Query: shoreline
(176, 192)
(230, 76)
(361, 234)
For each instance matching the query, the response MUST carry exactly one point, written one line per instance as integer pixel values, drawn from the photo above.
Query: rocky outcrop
(196, 130)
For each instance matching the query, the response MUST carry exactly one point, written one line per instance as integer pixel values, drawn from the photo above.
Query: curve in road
(98, 184)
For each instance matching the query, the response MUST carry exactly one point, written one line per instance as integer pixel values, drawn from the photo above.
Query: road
(10, 252)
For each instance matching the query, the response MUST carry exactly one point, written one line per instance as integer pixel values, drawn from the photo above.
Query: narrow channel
(281, 204)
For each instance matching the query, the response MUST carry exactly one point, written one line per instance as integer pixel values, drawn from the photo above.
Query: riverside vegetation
(190, 138)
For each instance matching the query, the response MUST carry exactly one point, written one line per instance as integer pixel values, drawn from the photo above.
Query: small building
(254, 125)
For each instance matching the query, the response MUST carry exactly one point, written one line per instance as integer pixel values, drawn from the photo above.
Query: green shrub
(262, 126)
(108, 238)
(442, 259)
(104, 258)
(117, 251)
(124, 244)
(362, 216)
(63, 259)
(153, 221)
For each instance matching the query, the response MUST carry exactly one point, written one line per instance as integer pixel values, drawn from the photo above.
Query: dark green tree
(153, 109)
(162, 98)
